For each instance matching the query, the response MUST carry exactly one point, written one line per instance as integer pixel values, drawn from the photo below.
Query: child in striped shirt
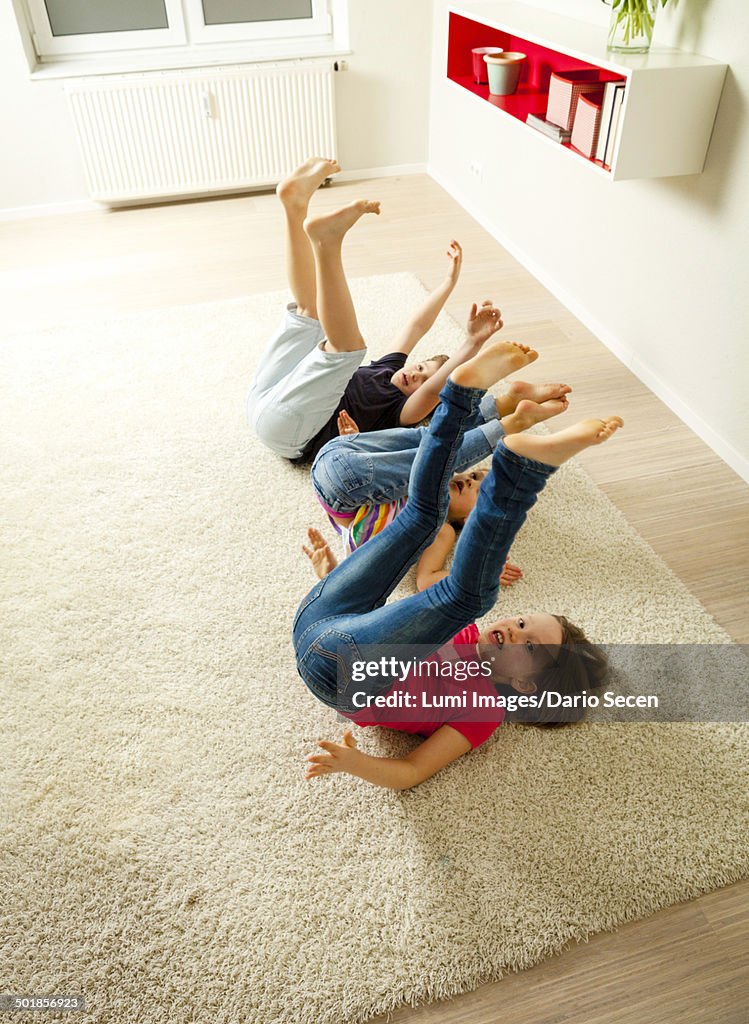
(361, 480)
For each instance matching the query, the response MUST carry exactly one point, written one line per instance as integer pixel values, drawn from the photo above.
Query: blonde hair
(440, 360)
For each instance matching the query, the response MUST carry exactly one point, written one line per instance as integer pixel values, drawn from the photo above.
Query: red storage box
(587, 125)
(565, 88)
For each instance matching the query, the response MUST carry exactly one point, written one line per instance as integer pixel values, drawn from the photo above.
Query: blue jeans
(369, 469)
(347, 609)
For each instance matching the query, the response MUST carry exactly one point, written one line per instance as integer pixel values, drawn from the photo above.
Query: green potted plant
(631, 27)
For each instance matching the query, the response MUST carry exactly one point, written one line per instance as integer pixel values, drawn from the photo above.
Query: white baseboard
(724, 449)
(49, 209)
(381, 172)
(733, 458)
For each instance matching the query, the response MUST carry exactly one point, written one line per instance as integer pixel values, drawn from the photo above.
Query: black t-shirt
(370, 399)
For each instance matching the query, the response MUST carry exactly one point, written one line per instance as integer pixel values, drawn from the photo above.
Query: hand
(510, 574)
(455, 255)
(319, 553)
(482, 323)
(346, 425)
(338, 757)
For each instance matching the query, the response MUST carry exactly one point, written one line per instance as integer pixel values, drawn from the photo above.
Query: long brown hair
(578, 666)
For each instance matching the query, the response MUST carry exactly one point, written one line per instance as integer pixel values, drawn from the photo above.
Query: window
(66, 28)
(219, 20)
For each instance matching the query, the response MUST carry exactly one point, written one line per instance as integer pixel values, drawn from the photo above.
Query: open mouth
(460, 485)
(499, 637)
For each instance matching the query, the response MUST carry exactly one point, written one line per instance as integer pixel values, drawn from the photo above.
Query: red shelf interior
(533, 89)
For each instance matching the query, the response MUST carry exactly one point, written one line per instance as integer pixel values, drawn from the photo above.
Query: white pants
(298, 385)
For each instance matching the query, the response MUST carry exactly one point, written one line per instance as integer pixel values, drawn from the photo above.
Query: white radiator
(167, 134)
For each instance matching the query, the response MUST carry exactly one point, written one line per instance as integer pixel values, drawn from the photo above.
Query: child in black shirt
(311, 370)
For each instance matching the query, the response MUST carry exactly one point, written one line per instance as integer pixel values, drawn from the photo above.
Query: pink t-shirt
(476, 725)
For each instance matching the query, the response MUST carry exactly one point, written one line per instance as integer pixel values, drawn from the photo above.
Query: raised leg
(432, 617)
(520, 467)
(365, 580)
(369, 469)
(334, 303)
(295, 192)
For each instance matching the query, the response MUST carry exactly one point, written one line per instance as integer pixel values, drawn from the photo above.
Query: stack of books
(585, 111)
(608, 133)
(551, 130)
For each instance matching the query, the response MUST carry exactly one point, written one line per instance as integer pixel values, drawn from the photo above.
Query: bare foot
(296, 189)
(519, 389)
(554, 449)
(331, 227)
(528, 413)
(493, 363)
(322, 558)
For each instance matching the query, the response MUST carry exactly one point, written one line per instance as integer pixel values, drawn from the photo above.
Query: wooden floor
(686, 964)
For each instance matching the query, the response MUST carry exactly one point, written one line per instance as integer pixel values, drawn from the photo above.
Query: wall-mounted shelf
(671, 98)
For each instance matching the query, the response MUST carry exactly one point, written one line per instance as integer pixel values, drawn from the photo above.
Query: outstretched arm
(431, 565)
(424, 318)
(482, 324)
(444, 746)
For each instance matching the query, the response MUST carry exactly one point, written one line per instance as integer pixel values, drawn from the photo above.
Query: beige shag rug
(161, 853)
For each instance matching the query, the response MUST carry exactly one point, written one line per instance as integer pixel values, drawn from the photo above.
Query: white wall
(383, 100)
(657, 269)
(382, 104)
(40, 163)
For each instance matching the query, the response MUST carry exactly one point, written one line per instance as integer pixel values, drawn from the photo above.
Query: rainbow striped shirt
(356, 528)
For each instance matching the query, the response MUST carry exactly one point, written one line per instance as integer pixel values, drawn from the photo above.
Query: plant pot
(631, 25)
(504, 72)
(480, 74)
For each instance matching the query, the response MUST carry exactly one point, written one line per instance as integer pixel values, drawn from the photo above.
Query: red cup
(480, 73)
